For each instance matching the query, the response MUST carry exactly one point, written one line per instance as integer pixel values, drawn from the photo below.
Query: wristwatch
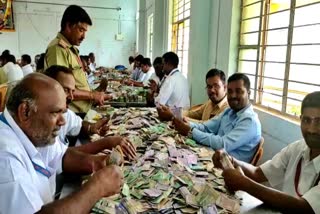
(190, 133)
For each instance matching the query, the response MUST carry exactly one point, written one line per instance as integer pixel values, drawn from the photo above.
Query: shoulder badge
(62, 43)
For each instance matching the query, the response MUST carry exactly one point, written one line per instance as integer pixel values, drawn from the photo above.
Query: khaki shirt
(3, 76)
(207, 110)
(61, 52)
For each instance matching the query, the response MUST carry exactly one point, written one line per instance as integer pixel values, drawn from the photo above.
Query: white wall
(37, 24)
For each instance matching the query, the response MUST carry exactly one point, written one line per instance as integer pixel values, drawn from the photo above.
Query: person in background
(137, 73)
(26, 64)
(131, 63)
(148, 71)
(174, 89)
(217, 92)
(92, 62)
(11, 71)
(31, 154)
(293, 173)
(237, 129)
(40, 63)
(63, 51)
(154, 81)
(3, 55)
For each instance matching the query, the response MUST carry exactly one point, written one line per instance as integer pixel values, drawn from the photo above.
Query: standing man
(237, 129)
(26, 64)
(92, 62)
(174, 89)
(62, 51)
(295, 170)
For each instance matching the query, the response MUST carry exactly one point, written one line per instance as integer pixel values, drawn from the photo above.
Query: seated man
(154, 82)
(148, 71)
(11, 71)
(137, 73)
(31, 155)
(26, 64)
(174, 89)
(295, 170)
(237, 129)
(216, 90)
(76, 126)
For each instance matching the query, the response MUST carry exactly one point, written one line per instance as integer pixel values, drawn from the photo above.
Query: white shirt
(174, 91)
(155, 78)
(13, 72)
(27, 69)
(72, 127)
(134, 74)
(92, 67)
(23, 189)
(147, 76)
(281, 171)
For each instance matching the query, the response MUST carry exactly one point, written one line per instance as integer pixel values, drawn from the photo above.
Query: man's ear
(24, 111)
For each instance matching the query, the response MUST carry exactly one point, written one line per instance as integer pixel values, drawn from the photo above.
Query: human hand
(235, 179)
(127, 147)
(217, 158)
(107, 181)
(108, 97)
(153, 85)
(181, 126)
(100, 127)
(164, 112)
(98, 97)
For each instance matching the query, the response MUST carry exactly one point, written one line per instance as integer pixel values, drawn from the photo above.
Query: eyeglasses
(214, 86)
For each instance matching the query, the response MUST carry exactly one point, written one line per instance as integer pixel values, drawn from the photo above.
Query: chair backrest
(259, 152)
(3, 93)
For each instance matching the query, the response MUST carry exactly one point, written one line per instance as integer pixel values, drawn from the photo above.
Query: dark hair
(146, 61)
(11, 58)
(85, 58)
(311, 100)
(91, 54)
(5, 52)
(53, 71)
(73, 15)
(171, 58)
(40, 63)
(139, 58)
(216, 72)
(157, 60)
(26, 58)
(131, 59)
(240, 76)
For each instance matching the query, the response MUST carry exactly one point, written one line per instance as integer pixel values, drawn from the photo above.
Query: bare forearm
(97, 146)
(253, 172)
(82, 95)
(78, 162)
(79, 202)
(277, 199)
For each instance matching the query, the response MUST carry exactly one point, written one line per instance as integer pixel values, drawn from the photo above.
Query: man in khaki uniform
(62, 51)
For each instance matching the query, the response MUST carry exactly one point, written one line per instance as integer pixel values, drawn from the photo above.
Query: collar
(172, 72)
(306, 157)
(222, 102)
(62, 39)
(24, 140)
(232, 112)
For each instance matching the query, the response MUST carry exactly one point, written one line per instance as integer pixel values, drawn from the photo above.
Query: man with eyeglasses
(294, 171)
(237, 129)
(216, 89)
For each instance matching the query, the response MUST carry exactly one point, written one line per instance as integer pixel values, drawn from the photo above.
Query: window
(180, 32)
(150, 36)
(280, 50)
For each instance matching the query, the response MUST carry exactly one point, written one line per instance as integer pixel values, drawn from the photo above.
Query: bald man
(30, 155)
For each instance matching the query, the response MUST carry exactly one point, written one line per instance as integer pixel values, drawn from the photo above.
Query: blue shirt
(237, 132)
